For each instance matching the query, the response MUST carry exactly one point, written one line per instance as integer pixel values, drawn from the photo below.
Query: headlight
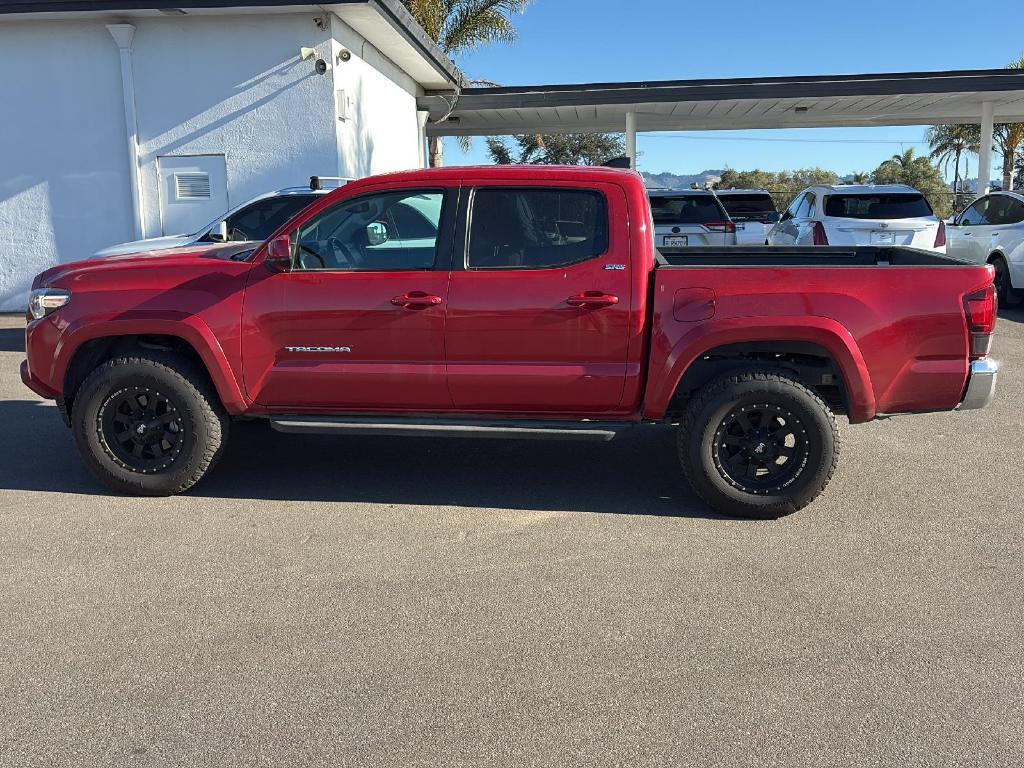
(43, 301)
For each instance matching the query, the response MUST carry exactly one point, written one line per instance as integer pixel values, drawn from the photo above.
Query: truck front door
(357, 322)
(539, 299)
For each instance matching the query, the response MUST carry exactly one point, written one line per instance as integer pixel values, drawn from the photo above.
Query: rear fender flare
(823, 331)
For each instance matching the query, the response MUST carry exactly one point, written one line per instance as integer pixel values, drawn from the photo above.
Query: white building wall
(64, 185)
(231, 85)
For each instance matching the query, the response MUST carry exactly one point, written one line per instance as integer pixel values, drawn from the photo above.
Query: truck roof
(473, 172)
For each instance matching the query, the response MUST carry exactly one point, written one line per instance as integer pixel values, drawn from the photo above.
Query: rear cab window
(903, 205)
(535, 228)
(669, 210)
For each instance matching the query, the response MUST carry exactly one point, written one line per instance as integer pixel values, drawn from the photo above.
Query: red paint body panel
(508, 342)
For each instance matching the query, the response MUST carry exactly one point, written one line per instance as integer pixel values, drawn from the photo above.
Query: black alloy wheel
(141, 429)
(760, 448)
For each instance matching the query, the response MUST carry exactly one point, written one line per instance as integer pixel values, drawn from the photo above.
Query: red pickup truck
(511, 302)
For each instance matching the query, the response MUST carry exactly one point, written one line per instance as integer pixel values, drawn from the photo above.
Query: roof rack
(316, 182)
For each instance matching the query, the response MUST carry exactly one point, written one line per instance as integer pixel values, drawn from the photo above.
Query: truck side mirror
(377, 233)
(219, 234)
(279, 254)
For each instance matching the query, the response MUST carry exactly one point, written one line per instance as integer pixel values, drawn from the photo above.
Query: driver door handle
(592, 300)
(416, 300)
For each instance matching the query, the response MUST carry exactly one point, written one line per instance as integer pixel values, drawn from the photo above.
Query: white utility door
(193, 191)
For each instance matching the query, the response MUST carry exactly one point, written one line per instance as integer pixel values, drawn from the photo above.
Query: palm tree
(458, 26)
(860, 177)
(1009, 137)
(951, 142)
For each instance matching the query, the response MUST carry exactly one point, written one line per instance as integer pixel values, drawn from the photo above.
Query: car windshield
(910, 205)
(690, 209)
(748, 207)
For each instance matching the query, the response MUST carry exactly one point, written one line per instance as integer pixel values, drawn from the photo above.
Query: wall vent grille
(192, 186)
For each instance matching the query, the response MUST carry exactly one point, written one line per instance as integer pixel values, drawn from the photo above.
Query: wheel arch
(798, 345)
(88, 346)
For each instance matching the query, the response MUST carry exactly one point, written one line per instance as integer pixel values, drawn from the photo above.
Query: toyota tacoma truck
(507, 302)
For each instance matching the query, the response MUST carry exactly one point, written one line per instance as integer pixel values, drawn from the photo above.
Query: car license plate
(676, 241)
(883, 238)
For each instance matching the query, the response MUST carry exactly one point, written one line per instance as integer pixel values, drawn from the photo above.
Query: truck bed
(894, 325)
(804, 256)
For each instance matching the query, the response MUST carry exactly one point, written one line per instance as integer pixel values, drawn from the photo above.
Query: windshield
(695, 209)
(896, 206)
(748, 207)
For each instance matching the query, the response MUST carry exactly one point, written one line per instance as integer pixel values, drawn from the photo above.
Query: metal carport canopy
(909, 98)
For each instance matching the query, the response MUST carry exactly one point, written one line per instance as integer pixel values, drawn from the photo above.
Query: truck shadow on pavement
(636, 474)
(12, 339)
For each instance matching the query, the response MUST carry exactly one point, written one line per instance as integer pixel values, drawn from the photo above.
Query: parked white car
(991, 231)
(876, 214)
(689, 217)
(256, 219)
(753, 212)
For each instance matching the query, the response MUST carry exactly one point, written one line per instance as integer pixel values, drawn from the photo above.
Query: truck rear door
(539, 299)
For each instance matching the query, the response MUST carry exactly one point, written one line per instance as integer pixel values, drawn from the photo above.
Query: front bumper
(981, 385)
(35, 384)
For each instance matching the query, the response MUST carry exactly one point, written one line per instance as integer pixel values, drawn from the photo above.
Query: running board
(523, 430)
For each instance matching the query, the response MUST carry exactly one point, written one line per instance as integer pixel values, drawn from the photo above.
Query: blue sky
(572, 41)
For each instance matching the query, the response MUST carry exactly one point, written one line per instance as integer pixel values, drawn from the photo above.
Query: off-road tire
(203, 430)
(721, 398)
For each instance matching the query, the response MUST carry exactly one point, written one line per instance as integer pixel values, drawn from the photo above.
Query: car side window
(1014, 213)
(384, 232)
(513, 228)
(809, 206)
(264, 217)
(975, 215)
(794, 207)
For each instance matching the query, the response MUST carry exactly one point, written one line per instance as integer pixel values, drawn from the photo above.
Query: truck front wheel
(757, 443)
(149, 425)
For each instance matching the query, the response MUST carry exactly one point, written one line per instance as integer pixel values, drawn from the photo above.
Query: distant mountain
(675, 181)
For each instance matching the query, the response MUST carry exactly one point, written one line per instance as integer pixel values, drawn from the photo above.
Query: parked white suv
(876, 214)
(689, 217)
(991, 231)
(753, 212)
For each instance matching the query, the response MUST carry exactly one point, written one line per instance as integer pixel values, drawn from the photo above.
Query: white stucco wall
(231, 85)
(63, 164)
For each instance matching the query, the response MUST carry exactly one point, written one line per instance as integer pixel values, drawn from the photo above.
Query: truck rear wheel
(758, 444)
(149, 425)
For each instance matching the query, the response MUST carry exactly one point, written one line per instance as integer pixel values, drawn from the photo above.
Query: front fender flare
(189, 328)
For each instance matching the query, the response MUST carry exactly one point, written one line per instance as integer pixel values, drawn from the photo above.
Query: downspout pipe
(123, 35)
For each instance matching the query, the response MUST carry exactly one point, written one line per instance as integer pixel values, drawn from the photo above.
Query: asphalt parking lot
(391, 602)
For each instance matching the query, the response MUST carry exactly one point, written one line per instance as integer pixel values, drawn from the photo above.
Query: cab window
(536, 228)
(389, 231)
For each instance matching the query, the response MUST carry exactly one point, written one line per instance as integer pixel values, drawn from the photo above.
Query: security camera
(344, 55)
(321, 67)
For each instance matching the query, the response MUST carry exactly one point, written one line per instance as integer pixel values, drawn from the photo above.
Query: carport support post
(985, 155)
(631, 138)
(123, 35)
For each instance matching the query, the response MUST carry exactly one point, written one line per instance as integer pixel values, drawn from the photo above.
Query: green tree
(860, 177)
(556, 149)
(1009, 137)
(919, 173)
(951, 143)
(458, 26)
(783, 185)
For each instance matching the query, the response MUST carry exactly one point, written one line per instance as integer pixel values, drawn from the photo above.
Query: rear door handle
(416, 300)
(592, 300)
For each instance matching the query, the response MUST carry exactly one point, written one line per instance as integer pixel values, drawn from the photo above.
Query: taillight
(940, 236)
(721, 226)
(820, 238)
(980, 309)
